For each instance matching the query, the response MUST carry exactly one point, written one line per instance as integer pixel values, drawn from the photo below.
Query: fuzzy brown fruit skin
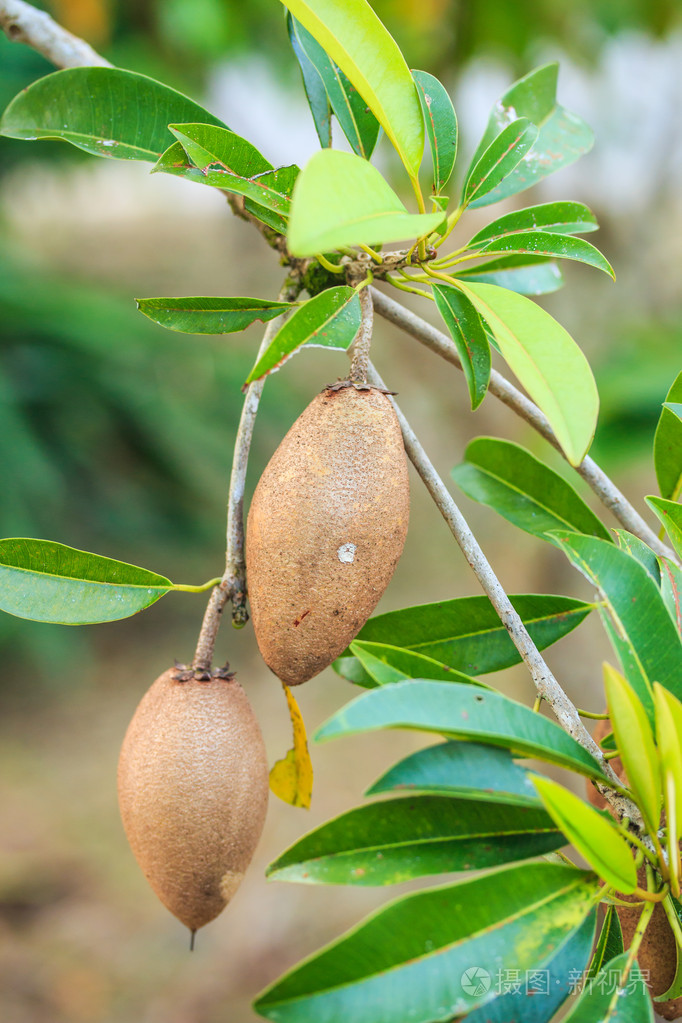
(193, 791)
(657, 955)
(325, 530)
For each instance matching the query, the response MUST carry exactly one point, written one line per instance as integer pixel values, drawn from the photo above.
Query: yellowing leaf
(291, 779)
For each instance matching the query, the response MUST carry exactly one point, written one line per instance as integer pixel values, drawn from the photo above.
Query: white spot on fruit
(346, 553)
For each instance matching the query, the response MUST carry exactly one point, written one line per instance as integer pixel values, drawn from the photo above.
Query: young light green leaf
(545, 243)
(210, 315)
(642, 631)
(340, 199)
(441, 126)
(609, 945)
(412, 954)
(468, 769)
(329, 320)
(668, 713)
(640, 551)
(499, 159)
(103, 110)
(316, 94)
(466, 633)
(385, 664)
(595, 837)
(618, 994)
(357, 121)
(556, 217)
(546, 360)
(49, 582)
(526, 275)
(635, 743)
(523, 489)
(563, 137)
(355, 39)
(465, 327)
(459, 711)
(671, 589)
(670, 514)
(668, 445)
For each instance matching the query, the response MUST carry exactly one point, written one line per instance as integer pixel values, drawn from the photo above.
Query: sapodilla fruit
(325, 529)
(193, 790)
(657, 955)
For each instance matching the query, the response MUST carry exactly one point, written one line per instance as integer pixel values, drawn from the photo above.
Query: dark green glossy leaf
(499, 159)
(105, 111)
(465, 327)
(556, 217)
(466, 633)
(670, 514)
(535, 996)
(668, 445)
(316, 94)
(49, 582)
(397, 840)
(544, 243)
(384, 664)
(671, 589)
(459, 711)
(209, 315)
(467, 769)
(441, 126)
(613, 996)
(523, 489)
(609, 944)
(640, 551)
(673, 907)
(563, 136)
(329, 320)
(546, 360)
(407, 960)
(526, 275)
(341, 199)
(357, 121)
(642, 630)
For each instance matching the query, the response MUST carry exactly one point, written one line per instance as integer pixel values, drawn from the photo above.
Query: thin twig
(232, 586)
(545, 683)
(596, 478)
(23, 23)
(363, 340)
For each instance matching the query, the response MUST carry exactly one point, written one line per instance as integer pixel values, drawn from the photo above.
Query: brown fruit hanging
(193, 790)
(325, 530)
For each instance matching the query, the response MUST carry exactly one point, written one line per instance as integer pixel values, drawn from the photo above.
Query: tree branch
(610, 496)
(22, 23)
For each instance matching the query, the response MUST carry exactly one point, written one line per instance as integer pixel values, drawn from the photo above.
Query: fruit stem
(363, 339)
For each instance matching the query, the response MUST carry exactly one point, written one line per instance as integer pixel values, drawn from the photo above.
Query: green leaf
(670, 514)
(523, 489)
(640, 551)
(563, 136)
(596, 838)
(459, 711)
(615, 995)
(669, 740)
(556, 217)
(329, 320)
(668, 445)
(546, 360)
(467, 634)
(526, 275)
(441, 126)
(544, 243)
(385, 664)
(671, 590)
(642, 632)
(355, 39)
(397, 840)
(498, 160)
(105, 111)
(49, 582)
(340, 199)
(409, 957)
(468, 333)
(635, 743)
(609, 944)
(316, 94)
(467, 769)
(673, 911)
(210, 315)
(358, 123)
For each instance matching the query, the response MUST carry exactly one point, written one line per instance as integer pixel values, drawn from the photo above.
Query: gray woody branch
(22, 23)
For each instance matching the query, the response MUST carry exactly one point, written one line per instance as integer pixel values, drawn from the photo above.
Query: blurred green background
(116, 436)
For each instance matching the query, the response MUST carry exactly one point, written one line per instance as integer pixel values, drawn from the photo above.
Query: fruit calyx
(185, 673)
(359, 385)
